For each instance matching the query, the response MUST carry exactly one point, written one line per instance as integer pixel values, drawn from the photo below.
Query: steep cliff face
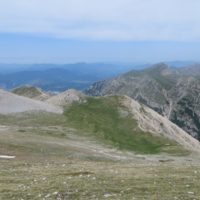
(174, 93)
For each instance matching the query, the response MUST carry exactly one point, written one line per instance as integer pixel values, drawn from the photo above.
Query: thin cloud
(129, 20)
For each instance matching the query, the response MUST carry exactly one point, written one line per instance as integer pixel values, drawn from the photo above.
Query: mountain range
(172, 92)
(72, 146)
(115, 120)
(57, 77)
(60, 77)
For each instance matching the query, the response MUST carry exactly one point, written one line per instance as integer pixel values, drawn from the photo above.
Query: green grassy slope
(101, 118)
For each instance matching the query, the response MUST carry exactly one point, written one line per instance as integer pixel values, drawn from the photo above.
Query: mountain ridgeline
(172, 92)
(116, 121)
(57, 77)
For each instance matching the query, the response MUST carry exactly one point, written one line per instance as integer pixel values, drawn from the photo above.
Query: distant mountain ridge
(60, 77)
(172, 92)
(57, 77)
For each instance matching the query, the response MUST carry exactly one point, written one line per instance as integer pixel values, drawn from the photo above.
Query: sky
(66, 31)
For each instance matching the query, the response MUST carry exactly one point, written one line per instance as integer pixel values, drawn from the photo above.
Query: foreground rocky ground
(99, 148)
(51, 162)
(67, 178)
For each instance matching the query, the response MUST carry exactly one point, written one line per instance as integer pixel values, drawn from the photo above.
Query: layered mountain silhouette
(55, 77)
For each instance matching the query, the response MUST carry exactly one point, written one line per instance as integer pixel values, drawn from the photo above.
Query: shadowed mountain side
(172, 92)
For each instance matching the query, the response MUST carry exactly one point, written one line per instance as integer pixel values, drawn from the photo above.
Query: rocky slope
(117, 120)
(11, 103)
(66, 98)
(174, 93)
(149, 120)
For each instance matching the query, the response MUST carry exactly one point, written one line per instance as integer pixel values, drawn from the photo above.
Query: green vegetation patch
(101, 118)
(27, 91)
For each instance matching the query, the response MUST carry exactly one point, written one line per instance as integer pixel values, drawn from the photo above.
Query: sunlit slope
(66, 98)
(11, 103)
(112, 120)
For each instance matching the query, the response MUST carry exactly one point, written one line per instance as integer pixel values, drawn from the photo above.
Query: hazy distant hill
(172, 92)
(57, 77)
(60, 77)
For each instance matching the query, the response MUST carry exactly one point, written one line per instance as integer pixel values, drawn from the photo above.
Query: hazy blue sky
(99, 30)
